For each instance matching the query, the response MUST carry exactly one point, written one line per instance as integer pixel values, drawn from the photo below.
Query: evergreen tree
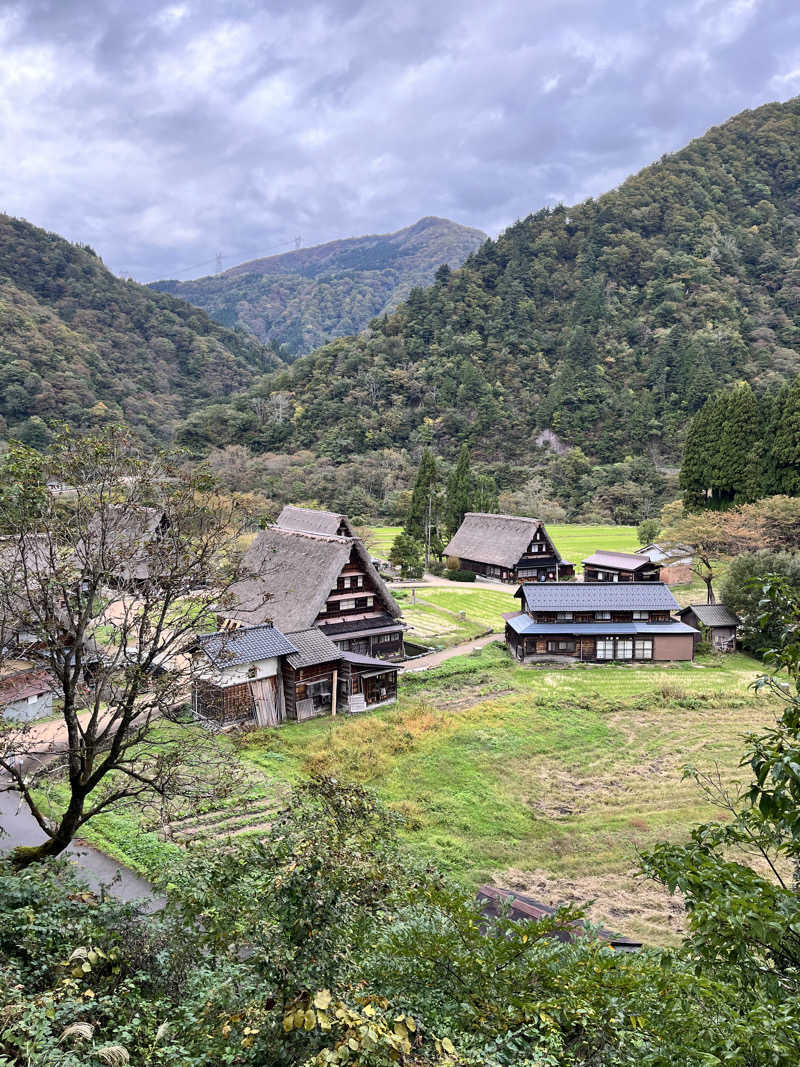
(460, 492)
(741, 430)
(422, 521)
(694, 476)
(786, 442)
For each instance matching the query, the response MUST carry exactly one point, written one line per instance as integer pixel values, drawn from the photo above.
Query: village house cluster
(313, 630)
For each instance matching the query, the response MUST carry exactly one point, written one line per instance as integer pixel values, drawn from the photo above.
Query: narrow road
(20, 828)
(436, 658)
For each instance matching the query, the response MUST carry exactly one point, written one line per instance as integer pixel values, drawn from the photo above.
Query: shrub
(461, 576)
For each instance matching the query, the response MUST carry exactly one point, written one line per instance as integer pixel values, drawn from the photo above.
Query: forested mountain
(79, 344)
(610, 322)
(300, 300)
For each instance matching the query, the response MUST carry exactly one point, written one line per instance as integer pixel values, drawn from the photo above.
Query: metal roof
(623, 561)
(313, 647)
(370, 661)
(712, 614)
(524, 624)
(250, 644)
(597, 596)
(496, 902)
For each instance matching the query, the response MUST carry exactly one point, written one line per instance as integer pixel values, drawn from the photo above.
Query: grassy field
(483, 606)
(545, 779)
(576, 542)
(572, 541)
(548, 780)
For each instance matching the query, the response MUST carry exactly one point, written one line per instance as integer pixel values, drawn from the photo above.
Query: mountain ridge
(303, 298)
(609, 322)
(78, 344)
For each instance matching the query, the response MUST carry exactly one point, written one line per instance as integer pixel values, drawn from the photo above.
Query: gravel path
(435, 658)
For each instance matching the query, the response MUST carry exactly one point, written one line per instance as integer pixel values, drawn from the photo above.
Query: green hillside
(81, 345)
(300, 300)
(609, 322)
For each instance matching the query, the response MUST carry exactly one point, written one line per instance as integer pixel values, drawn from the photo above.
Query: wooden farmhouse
(299, 580)
(510, 548)
(130, 538)
(258, 674)
(604, 566)
(714, 622)
(594, 622)
(313, 520)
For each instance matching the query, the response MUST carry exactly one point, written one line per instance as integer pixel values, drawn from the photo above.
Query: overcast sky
(162, 133)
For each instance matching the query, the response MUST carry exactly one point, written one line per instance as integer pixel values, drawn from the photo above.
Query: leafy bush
(461, 576)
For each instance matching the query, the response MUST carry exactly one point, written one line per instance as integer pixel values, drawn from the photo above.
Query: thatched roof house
(512, 548)
(312, 520)
(300, 580)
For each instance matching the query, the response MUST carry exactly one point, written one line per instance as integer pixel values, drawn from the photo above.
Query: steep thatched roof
(497, 539)
(292, 574)
(312, 520)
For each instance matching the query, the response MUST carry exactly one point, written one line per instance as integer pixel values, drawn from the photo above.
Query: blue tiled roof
(524, 624)
(249, 644)
(598, 596)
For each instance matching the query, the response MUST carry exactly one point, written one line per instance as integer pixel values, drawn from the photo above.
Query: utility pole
(298, 241)
(220, 257)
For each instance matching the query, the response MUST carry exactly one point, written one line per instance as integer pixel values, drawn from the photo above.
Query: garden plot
(248, 816)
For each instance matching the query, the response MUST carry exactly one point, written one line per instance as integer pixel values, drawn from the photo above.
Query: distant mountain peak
(301, 299)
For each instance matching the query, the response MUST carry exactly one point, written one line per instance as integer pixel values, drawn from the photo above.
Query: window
(643, 648)
(564, 616)
(384, 639)
(560, 646)
(347, 605)
(605, 648)
(624, 648)
(602, 614)
(644, 615)
(34, 698)
(345, 583)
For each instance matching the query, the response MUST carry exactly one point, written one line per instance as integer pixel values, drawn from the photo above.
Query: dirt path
(436, 658)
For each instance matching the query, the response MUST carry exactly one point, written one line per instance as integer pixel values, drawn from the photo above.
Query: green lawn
(549, 779)
(379, 539)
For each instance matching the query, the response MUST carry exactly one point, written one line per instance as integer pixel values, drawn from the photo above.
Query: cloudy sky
(162, 133)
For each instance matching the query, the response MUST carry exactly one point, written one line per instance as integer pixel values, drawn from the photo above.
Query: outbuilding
(714, 622)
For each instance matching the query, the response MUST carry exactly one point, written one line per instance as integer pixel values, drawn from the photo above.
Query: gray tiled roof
(524, 624)
(598, 596)
(623, 561)
(712, 614)
(248, 644)
(313, 647)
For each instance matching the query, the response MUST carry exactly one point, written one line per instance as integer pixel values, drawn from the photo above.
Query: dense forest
(610, 323)
(302, 299)
(80, 345)
(740, 448)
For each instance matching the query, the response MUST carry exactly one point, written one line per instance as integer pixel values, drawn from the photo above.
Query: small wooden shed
(714, 622)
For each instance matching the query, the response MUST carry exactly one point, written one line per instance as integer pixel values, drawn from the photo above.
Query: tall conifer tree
(786, 442)
(460, 491)
(422, 521)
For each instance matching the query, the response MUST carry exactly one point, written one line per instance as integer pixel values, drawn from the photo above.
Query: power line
(220, 256)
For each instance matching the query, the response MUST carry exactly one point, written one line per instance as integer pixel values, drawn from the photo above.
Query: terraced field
(246, 817)
(479, 604)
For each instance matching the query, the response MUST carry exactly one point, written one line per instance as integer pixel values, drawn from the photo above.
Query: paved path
(435, 658)
(20, 828)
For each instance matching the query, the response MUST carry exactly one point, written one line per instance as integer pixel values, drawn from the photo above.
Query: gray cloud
(161, 133)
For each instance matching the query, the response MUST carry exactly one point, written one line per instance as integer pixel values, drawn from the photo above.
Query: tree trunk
(24, 855)
(711, 599)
